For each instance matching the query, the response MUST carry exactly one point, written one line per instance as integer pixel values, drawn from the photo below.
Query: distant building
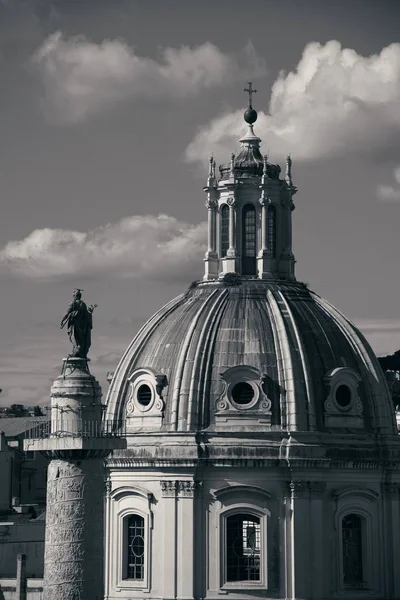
(22, 499)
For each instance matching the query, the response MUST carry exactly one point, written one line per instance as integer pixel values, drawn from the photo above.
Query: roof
(280, 333)
(15, 426)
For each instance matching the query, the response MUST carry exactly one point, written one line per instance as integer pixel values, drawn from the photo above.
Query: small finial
(214, 164)
(232, 163)
(265, 159)
(288, 176)
(210, 168)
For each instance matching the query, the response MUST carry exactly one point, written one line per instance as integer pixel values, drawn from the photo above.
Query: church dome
(250, 355)
(250, 348)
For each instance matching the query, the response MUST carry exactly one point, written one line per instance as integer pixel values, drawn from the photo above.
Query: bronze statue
(79, 325)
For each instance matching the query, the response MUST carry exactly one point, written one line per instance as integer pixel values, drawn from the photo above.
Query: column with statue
(76, 441)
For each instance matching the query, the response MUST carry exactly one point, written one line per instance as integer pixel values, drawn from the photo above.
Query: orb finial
(250, 116)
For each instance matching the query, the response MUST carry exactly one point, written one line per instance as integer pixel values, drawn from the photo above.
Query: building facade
(262, 453)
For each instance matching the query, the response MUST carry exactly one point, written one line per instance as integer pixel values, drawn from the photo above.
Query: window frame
(363, 503)
(247, 509)
(125, 550)
(133, 502)
(249, 259)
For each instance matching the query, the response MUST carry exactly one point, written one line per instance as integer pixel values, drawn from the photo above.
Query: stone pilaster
(391, 524)
(317, 537)
(297, 532)
(169, 498)
(211, 259)
(186, 523)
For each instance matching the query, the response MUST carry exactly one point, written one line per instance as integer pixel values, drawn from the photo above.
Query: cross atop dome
(250, 115)
(250, 91)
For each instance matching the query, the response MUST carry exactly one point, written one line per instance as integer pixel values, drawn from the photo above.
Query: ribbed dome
(281, 337)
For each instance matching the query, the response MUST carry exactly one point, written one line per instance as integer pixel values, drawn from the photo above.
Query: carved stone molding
(168, 488)
(296, 489)
(317, 488)
(186, 488)
(211, 203)
(390, 489)
(108, 486)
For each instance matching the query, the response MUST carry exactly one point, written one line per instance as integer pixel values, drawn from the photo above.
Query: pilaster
(186, 556)
(297, 555)
(317, 536)
(169, 499)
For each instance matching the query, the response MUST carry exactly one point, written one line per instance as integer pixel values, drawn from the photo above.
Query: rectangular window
(243, 548)
(135, 548)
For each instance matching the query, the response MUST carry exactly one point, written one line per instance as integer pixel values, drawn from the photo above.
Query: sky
(109, 110)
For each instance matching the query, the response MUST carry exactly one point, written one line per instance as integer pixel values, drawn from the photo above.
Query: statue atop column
(79, 325)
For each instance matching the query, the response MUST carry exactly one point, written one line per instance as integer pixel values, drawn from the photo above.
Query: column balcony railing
(77, 428)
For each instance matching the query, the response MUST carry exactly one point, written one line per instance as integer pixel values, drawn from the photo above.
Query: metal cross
(250, 91)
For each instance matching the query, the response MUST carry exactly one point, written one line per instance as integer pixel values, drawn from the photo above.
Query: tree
(37, 412)
(18, 410)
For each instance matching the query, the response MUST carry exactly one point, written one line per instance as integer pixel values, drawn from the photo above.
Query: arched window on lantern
(224, 229)
(249, 240)
(271, 240)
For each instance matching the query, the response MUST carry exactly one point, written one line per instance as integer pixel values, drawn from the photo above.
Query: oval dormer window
(242, 393)
(144, 395)
(343, 395)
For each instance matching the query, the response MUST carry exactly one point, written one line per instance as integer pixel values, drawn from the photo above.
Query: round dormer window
(242, 393)
(144, 395)
(343, 396)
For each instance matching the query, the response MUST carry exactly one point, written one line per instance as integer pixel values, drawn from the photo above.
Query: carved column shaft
(74, 530)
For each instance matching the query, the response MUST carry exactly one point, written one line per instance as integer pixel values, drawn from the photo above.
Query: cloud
(335, 101)
(154, 247)
(389, 193)
(82, 78)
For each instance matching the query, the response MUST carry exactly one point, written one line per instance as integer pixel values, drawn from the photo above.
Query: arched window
(134, 548)
(249, 240)
(352, 550)
(243, 547)
(271, 239)
(224, 230)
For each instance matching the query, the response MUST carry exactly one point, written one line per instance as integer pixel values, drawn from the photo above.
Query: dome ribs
(177, 409)
(306, 418)
(381, 415)
(116, 394)
(199, 416)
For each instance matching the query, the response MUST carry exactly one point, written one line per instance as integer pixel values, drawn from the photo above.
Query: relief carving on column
(108, 486)
(390, 489)
(317, 488)
(186, 488)
(168, 488)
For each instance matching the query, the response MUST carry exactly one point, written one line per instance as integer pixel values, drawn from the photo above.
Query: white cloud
(334, 101)
(155, 247)
(82, 78)
(390, 192)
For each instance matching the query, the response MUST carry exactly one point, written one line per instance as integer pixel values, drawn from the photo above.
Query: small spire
(288, 176)
(210, 168)
(214, 164)
(232, 164)
(265, 159)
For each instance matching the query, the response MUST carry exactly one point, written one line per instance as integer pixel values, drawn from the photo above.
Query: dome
(252, 354)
